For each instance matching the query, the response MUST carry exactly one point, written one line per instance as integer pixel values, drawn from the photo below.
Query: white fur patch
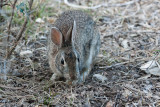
(91, 53)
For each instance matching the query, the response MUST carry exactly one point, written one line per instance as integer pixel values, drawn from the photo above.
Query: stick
(100, 5)
(10, 23)
(19, 36)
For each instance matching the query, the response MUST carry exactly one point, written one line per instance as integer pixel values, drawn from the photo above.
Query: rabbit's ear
(56, 36)
(74, 32)
(68, 35)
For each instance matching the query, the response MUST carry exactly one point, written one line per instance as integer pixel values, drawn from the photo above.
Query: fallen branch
(100, 5)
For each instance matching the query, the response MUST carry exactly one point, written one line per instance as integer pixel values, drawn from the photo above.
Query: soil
(130, 37)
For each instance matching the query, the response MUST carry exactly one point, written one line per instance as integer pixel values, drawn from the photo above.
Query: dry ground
(130, 37)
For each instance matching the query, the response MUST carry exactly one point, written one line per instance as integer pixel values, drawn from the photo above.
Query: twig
(1, 4)
(152, 62)
(10, 23)
(137, 91)
(144, 31)
(100, 5)
(14, 88)
(126, 62)
(9, 96)
(19, 36)
(134, 90)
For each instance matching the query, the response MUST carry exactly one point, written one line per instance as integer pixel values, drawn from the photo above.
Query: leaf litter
(130, 41)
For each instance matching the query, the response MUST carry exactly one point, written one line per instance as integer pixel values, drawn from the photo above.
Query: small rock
(100, 77)
(27, 53)
(39, 20)
(125, 44)
(133, 35)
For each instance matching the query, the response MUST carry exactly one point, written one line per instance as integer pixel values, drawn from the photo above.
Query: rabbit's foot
(55, 77)
(84, 74)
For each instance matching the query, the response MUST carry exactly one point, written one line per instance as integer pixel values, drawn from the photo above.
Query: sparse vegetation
(130, 45)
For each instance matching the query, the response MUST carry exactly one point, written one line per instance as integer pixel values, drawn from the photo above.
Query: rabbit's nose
(62, 79)
(66, 76)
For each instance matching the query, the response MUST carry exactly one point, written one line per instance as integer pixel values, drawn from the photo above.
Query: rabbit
(73, 45)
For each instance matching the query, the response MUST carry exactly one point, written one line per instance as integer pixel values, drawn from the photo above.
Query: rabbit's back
(66, 19)
(85, 27)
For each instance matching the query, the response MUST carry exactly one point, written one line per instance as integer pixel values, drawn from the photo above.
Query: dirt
(129, 38)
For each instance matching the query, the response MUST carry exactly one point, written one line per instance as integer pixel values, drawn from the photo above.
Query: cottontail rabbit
(73, 45)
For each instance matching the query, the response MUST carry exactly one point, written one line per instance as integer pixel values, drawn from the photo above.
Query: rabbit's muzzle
(67, 63)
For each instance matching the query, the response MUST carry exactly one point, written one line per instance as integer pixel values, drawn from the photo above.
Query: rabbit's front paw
(75, 82)
(54, 77)
(84, 74)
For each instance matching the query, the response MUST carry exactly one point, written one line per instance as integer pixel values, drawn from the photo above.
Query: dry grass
(130, 36)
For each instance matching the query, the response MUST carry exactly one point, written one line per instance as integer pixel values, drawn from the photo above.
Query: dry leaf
(154, 71)
(145, 77)
(110, 104)
(151, 67)
(148, 65)
(126, 93)
(50, 20)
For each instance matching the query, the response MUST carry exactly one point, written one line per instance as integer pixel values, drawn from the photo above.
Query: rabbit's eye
(78, 59)
(62, 61)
